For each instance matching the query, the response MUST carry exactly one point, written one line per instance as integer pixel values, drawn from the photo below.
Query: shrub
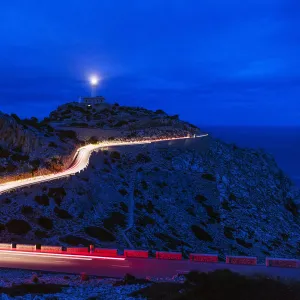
(211, 213)
(42, 200)
(175, 117)
(75, 240)
(172, 243)
(57, 192)
(160, 112)
(243, 243)
(35, 279)
(26, 210)
(225, 205)
(67, 134)
(292, 207)
(143, 158)
(232, 197)
(144, 185)
(200, 198)
(45, 222)
(121, 123)
(19, 157)
(228, 232)
(35, 163)
(190, 210)
(201, 234)
(208, 176)
(124, 207)
(41, 234)
(123, 192)
(19, 227)
(63, 214)
(4, 153)
(115, 155)
(52, 144)
(116, 219)
(100, 233)
(144, 221)
(150, 207)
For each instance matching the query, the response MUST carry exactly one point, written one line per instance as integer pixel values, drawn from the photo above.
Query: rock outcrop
(15, 135)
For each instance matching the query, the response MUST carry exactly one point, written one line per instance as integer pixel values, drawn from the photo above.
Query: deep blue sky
(214, 62)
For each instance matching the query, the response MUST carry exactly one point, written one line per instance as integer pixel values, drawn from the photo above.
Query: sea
(282, 142)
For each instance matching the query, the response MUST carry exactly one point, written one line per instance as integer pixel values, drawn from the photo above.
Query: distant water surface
(282, 142)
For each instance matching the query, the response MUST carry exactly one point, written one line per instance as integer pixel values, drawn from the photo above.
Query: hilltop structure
(92, 100)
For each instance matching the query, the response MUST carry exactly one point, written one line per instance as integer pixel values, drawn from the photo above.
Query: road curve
(119, 266)
(80, 162)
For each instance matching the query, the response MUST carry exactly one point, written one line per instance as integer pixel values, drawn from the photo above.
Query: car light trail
(80, 162)
(56, 255)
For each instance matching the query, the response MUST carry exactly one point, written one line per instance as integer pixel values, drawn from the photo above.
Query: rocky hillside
(200, 195)
(28, 147)
(116, 120)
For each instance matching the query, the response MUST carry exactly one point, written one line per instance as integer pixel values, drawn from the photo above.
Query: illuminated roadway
(119, 266)
(80, 162)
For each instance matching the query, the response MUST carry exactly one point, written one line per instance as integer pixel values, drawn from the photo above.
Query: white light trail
(80, 162)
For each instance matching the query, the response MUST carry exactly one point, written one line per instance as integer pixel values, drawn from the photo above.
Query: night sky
(213, 62)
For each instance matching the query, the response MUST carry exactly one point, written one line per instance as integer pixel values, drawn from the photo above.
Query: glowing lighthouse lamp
(94, 81)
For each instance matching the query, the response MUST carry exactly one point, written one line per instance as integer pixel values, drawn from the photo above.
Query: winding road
(80, 162)
(119, 266)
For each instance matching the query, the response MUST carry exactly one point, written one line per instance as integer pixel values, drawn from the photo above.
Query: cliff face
(28, 147)
(14, 135)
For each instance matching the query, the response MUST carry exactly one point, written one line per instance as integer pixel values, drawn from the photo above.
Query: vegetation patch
(115, 155)
(41, 234)
(75, 240)
(123, 192)
(201, 234)
(2, 227)
(100, 233)
(291, 206)
(45, 222)
(130, 279)
(4, 153)
(243, 243)
(18, 227)
(42, 200)
(232, 197)
(171, 242)
(211, 213)
(26, 210)
(67, 134)
(228, 232)
(200, 198)
(57, 192)
(24, 289)
(18, 157)
(144, 185)
(209, 177)
(144, 221)
(220, 285)
(225, 205)
(190, 210)
(141, 157)
(124, 207)
(116, 219)
(63, 214)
